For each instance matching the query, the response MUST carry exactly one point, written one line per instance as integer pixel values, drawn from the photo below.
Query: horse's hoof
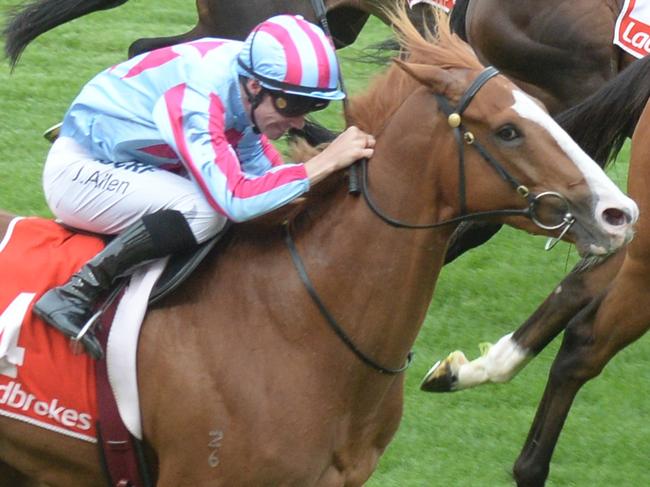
(443, 376)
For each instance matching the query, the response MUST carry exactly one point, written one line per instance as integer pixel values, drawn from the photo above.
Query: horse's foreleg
(532, 465)
(500, 362)
(591, 340)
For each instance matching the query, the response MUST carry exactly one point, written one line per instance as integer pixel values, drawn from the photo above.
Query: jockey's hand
(353, 144)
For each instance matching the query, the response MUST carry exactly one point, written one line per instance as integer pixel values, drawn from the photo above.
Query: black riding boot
(69, 307)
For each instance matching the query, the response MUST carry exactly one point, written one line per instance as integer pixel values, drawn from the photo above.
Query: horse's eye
(508, 133)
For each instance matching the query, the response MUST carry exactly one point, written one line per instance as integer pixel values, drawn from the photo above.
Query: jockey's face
(269, 121)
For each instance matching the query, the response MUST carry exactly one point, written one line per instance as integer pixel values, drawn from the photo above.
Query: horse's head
(491, 148)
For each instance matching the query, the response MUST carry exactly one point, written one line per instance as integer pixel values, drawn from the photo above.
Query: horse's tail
(602, 122)
(457, 18)
(26, 23)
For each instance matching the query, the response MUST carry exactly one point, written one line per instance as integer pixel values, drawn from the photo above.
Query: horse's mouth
(589, 244)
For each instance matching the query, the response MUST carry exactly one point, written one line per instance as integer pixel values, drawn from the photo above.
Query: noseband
(462, 136)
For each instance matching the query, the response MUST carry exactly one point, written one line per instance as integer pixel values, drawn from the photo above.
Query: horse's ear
(436, 78)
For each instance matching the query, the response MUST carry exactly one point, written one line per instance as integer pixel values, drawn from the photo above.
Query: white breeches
(108, 197)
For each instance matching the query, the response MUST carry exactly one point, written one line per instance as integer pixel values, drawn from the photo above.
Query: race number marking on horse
(41, 381)
(632, 32)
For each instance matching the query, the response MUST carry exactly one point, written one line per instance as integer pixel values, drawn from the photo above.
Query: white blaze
(607, 193)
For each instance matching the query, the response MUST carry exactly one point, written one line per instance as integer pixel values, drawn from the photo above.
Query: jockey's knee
(208, 226)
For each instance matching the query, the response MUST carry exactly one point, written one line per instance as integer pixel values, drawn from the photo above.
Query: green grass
(465, 439)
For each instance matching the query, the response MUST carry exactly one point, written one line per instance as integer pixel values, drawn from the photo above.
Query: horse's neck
(376, 279)
(379, 279)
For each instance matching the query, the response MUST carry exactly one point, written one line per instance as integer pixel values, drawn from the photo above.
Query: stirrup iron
(94, 319)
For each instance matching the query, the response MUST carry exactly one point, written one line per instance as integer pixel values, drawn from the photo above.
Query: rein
(340, 332)
(321, 15)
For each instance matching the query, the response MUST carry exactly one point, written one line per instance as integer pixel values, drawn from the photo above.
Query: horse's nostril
(616, 217)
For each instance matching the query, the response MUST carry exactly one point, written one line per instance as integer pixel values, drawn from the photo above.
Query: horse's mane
(601, 123)
(440, 47)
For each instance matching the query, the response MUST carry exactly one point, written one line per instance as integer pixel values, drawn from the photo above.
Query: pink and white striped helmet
(289, 54)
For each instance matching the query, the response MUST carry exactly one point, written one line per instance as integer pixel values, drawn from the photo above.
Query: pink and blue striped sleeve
(194, 125)
(270, 152)
(256, 153)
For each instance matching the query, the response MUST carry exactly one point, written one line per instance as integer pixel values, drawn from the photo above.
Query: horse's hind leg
(591, 340)
(500, 362)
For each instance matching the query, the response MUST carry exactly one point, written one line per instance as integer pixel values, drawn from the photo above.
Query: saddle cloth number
(11, 320)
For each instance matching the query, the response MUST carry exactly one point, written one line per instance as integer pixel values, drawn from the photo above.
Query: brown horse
(556, 50)
(612, 320)
(597, 303)
(216, 18)
(241, 349)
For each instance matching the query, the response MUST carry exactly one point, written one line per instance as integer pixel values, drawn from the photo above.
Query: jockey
(163, 149)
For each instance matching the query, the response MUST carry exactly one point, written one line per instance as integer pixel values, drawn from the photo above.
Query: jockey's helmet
(287, 54)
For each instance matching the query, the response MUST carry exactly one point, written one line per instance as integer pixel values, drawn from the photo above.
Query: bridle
(461, 135)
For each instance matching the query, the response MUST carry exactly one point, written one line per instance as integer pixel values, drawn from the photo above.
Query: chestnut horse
(243, 350)
(558, 51)
(216, 18)
(597, 303)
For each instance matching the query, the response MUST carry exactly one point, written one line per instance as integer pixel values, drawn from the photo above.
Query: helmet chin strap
(254, 101)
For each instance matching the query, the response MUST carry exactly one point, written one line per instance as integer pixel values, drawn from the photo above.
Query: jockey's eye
(508, 133)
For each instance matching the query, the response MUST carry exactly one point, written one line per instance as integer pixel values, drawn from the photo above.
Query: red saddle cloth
(632, 31)
(41, 381)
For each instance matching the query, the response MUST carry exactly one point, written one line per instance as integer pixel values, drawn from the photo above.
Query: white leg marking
(502, 361)
(608, 194)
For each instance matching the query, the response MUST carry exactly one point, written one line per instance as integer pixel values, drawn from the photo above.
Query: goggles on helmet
(289, 105)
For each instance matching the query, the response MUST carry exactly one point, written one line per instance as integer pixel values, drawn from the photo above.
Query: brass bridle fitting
(523, 191)
(454, 120)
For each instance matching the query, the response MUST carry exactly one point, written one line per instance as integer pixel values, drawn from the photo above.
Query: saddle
(180, 267)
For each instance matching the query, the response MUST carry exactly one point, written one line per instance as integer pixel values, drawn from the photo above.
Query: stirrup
(76, 341)
(86, 328)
